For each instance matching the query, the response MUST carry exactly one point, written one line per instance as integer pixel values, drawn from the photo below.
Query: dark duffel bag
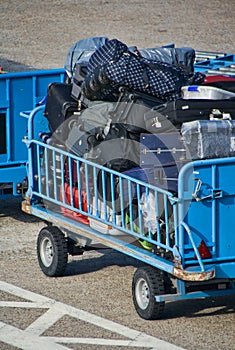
(60, 108)
(114, 65)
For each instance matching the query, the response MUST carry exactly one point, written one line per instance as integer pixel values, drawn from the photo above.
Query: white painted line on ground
(20, 339)
(45, 321)
(31, 338)
(98, 341)
(23, 304)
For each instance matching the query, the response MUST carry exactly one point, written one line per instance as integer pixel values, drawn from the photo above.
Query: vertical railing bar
(148, 209)
(166, 220)
(55, 162)
(129, 184)
(157, 216)
(62, 178)
(176, 224)
(70, 182)
(95, 199)
(79, 184)
(113, 198)
(122, 202)
(46, 172)
(139, 210)
(39, 168)
(104, 194)
(87, 187)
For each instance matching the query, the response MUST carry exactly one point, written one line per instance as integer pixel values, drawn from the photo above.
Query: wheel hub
(46, 252)
(142, 294)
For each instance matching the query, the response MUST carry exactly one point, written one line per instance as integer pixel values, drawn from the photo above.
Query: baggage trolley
(186, 242)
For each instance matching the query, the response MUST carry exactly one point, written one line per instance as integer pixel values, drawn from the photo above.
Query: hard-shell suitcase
(205, 92)
(165, 153)
(209, 139)
(144, 174)
(180, 110)
(59, 109)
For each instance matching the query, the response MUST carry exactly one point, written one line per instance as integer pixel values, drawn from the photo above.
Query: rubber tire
(147, 283)
(52, 251)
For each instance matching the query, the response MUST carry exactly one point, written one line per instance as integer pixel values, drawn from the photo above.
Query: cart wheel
(148, 282)
(52, 251)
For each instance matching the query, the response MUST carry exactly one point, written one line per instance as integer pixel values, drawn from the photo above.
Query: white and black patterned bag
(114, 65)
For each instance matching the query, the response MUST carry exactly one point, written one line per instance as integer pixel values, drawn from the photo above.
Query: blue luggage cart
(19, 91)
(185, 241)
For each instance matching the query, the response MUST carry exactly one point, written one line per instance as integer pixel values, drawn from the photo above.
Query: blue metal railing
(113, 204)
(111, 198)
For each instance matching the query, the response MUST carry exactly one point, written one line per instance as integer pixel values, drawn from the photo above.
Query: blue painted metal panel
(215, 63)
(208, 211)
(19, 92)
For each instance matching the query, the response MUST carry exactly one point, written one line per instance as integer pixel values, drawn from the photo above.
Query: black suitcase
(181, 111)
(60, 108)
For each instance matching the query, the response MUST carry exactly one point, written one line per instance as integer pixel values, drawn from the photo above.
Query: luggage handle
(159, 150)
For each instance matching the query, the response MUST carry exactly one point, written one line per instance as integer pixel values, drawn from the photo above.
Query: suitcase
(209, 139)
(145, 174)
(59, 109)
(119, 192)
(180, 110)
(221, 82)
(206, 92)
(165, 153)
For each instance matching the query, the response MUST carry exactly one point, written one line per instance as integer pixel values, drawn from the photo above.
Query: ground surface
(37, 35)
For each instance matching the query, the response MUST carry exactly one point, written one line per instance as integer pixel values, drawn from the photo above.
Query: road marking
(31, 338)
(16, 337)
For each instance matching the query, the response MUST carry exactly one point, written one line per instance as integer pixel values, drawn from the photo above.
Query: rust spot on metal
(26, 207)
(193, 276)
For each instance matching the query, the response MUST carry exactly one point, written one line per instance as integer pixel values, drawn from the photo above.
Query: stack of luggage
(142, 112)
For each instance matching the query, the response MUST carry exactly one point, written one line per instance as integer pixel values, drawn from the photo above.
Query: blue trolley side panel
(19, 92)
(207, 208)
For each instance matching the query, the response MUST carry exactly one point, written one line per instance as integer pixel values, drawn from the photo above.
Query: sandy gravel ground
(38, 34)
